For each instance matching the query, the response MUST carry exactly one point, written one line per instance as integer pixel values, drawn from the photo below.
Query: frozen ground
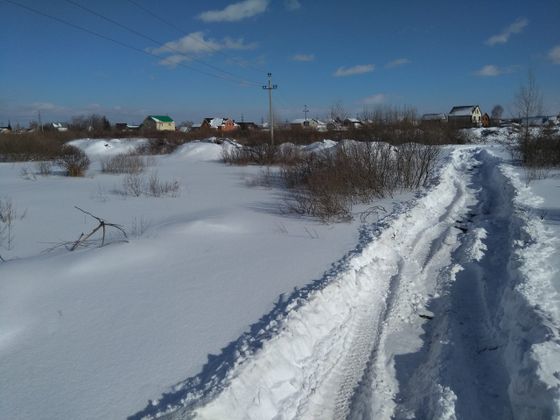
(220, 307)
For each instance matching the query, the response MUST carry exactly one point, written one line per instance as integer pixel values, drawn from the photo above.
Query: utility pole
(305, 111)
(270, 87)
(40, 122)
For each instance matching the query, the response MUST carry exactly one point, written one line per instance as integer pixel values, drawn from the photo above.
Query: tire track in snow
(463, 369)
(421, 261)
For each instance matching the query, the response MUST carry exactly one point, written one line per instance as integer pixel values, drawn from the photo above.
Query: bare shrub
(8, 215)
(263, 154)
(32, 146)
(540, 149)
(27, 174)
(328, 184)
(44, 167)
(133, 184)
(414, 163)
(158, 188)
(137, 185)
(74, 161)
(266, 178)
(139, 226)
(124, 164)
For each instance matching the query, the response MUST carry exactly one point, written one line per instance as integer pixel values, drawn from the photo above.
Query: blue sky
(191, 59)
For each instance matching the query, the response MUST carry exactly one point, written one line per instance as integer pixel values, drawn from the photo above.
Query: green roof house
(159, 123)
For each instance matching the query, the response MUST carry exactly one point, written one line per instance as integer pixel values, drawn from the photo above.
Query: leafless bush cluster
(263, 154)
(414, 163)
(327, 185)
(74, 161)
(139, 226)
(158, 188)
(135, 184)
(32, 146)
(8, 215)
(393, 132)
(124, 164)
(541, 150)
(44, 167)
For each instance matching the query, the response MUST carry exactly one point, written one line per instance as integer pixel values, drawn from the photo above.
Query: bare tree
(338, 112)
(93, 122)
(497, 112)
(528, 102)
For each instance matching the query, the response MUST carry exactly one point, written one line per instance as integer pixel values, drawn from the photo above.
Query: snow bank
(203, 150)
(534, 308)
(320, 146)
(108, 147)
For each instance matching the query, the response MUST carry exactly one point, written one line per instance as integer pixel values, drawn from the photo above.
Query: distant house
(434, 118)
(465, 116)
(59, 126)
(308, 123)
(336, 125)
(124, 127)
(536, 121)
(159, 123)
(247, 126)
(485, 120)
(223, 125)
(6, 129)
(352, 123)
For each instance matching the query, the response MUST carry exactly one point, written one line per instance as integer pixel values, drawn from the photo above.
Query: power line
(107, 38)
(199, 41)
(159, 43)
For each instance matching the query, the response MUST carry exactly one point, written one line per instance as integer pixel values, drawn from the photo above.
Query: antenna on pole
(270, 87)
(305, 111)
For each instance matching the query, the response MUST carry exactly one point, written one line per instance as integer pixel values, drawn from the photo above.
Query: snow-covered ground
(97, 332)
(220, 306)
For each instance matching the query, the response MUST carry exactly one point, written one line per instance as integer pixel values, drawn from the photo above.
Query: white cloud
(292, 4)
(491, 70)
(195, 44)
(236, 11)
(351, 71)
(554, 54)
(397, 63)
(376, 99)
(43, 106)
(173, 60)
(503, 37)
(303, 57)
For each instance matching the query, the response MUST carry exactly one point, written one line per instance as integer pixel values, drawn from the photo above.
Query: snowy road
(428, 320)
